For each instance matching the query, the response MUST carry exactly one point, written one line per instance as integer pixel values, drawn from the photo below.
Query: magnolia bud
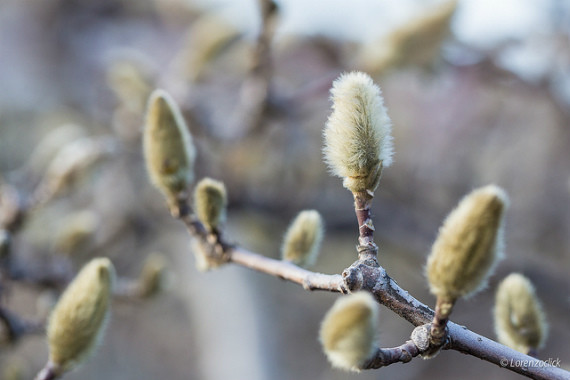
(168, 148)
(303, 238)
(520, 322)
(76, 323)
(469, 244)
(210, 202)
(357, 134)
(348, 331)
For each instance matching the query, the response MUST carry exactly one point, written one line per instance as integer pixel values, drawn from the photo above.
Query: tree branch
(362, 276)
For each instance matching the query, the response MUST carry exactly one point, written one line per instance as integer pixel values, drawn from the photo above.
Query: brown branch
(16, 327)
(385, 356)
(49, 372)
(362, 276)
(367, 249)
(438, 333)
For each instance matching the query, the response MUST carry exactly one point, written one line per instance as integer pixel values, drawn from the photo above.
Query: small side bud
(76, 323)
(303, 238)
(210, 202)
(168, 148)
(469, 244)
(76, 229)
(348, 330)
(520, 322)
(358, 141)
(151, 279)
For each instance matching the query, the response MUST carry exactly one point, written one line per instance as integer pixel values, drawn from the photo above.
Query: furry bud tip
(168, 148)
(76, 322)
(469, 244)
(348, 330)
(358, 141)
(303, 238)
(210, 202)
(520, 322)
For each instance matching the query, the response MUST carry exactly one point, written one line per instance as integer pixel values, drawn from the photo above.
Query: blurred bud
(76, 323)
(168, 148)
(75, 230)
(303, 238)
(72, 160)
(207, 38)
(348, 330)
(520, 322)
(51, 144)
(469, 244)
(150, 281)
(210, 202)
(130, 82)
(357, 134)
(417, 43)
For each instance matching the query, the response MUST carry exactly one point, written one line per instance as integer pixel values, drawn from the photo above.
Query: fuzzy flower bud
(520, 322)
(76, 323)
(210, 202)
(168, 148)
(303, 238)
(357, 136)
(348, 330)
(151, 278)
(469, 244)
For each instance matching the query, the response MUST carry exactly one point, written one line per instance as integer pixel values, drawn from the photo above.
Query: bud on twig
(75, 324)
(210, 202)
(168, 148)
(303, 238)
(520, 322)
(348, 331)
(357, 134)
(151, 278)
(468, 246)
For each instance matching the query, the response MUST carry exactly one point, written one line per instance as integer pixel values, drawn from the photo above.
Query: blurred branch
(16, 327)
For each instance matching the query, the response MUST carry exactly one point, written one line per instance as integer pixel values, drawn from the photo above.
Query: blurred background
(478, 91)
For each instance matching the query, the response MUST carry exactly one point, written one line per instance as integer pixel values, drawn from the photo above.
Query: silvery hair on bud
(520, 322)
(168, 148)
(303, 238)
(358, 141)
(77, 321)
(210, 202)
(348, 331)
(469, 244)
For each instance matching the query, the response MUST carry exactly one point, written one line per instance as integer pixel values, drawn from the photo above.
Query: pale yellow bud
(207, 38)
(469, 244)
(358, 141)
(210, 202)
(520, 322)
(51, 144)
(303, 238)
(72, 160)
(168, 148)
(152, 276)
(348, 331)
(76, 229)
(76, 323)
